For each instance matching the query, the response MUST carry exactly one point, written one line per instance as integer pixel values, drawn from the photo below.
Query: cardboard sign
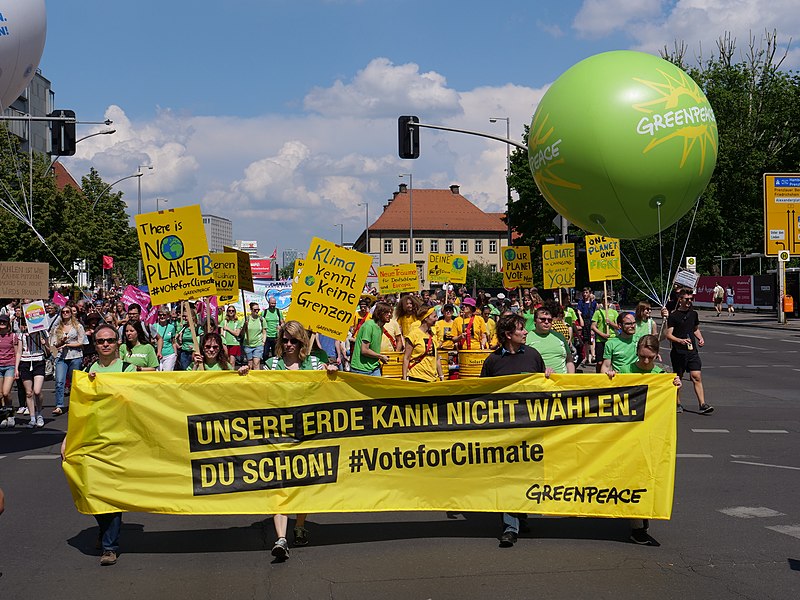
(175, 254)
(603, 258)
(398, 278)
(226, 273)
(326, 295)
(558, 265)
(245, 272)
(35, 316)
(24, 280)
(517, 267)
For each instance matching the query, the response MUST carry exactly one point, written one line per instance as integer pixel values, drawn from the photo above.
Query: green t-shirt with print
(114, 367)
(141, 355)
(620, 352)
(227, 337)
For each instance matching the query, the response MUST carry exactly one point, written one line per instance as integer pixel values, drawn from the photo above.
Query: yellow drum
(394, 368)
(470, 362)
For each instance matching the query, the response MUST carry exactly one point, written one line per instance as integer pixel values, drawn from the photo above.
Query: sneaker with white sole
(9, 422)
(31, 424)
(281, 549)
(22, 410)
(39, 421)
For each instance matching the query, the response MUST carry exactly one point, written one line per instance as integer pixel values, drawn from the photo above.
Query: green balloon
(623, 144)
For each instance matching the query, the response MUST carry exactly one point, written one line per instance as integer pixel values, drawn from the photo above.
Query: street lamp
(341, 233)
(79, 140)
(508, 170)
(108, 187)
(139, 211)
(410, 215)
(164, 200)
(366, 228)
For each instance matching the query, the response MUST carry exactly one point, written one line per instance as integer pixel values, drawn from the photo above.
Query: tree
(482, 276)
(287, 271)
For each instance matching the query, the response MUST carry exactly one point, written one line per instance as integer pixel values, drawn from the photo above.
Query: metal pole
(411, 218)
(366, 205)
(781, 291)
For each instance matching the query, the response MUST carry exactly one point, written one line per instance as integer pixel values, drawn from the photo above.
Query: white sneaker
(8, 423)
(40, 421)
(25, 410)
(21, 410)
(31, 424)
(3, 423)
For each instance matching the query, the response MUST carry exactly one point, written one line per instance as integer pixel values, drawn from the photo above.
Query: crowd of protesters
(563, 334)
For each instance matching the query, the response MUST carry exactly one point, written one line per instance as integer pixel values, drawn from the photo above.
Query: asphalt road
(735, 530)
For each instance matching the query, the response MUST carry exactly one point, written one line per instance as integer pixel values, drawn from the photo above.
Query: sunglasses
(104, 341)
(211, 347)
(544, 319)
(290, 341)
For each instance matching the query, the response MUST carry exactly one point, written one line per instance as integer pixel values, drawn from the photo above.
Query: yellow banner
(226, 274)
(394, 279)
(440, 267)
(603, 258)
(314, 442)
(175, 254)
(325, 296)
(558, 265)
(517, 267)
(245, 275)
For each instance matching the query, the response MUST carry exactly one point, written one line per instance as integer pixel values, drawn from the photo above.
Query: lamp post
(410, 215)
(78, 141)
(139, 210)
(366, 228)
(508, 170)
(108, 187)
(341, 233)
(164, 200)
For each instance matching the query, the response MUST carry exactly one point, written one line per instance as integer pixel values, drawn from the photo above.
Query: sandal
(57, 411)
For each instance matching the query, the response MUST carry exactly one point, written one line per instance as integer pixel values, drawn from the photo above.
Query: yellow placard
(517, 267)
(325, 296)
(395, 279)
(458, 269)
(298, 268)
(245, 271)
(175, 254)
(440, 267)
(313, 442)
(558, 265)
(226, 274)
(781, 213)
(603, 258)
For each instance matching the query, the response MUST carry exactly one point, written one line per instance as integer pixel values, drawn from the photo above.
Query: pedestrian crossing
(762, 512)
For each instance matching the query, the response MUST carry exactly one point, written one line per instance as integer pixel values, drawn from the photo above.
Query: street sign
(784, 256)
(781, 213)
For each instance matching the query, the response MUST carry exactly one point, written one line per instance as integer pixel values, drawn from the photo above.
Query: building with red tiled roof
(443, 221)
(63, 178)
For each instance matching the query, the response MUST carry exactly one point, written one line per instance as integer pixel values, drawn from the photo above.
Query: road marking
(710, 431)
(1, 457)
(751, 512)
(750, 347)
(767, 431)
(756, 366)
(694, 456)
(754, 337)
(755, 464)
(40, 457)
(790, 341)
(792, 530)
(744, 456)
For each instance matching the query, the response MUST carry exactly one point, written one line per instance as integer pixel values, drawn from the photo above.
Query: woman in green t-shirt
(212, 355)
(136, 350)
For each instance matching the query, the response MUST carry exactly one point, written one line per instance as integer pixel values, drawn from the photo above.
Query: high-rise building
(289, 256)
(251, 247)
(219, 232)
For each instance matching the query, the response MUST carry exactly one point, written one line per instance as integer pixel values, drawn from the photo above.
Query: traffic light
(408, 137)
(62, 133)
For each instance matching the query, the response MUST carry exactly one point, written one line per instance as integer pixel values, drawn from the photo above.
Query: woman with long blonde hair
(66, 340)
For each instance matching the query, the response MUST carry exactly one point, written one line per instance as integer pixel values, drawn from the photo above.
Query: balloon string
(672, 257)
(652, 288)
(652, 294)
(661, 253)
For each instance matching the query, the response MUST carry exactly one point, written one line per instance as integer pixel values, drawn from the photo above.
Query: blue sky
(281, 114)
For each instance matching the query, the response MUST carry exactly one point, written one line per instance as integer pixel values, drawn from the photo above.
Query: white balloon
(23, 25)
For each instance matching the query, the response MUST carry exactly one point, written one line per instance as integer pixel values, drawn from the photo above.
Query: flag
(59, 299)
(108, 262)
(274, 255)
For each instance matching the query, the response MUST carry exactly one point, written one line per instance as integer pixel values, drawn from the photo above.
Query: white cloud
(598, 18)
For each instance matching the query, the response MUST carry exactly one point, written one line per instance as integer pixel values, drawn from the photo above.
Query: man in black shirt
(513, 357)
(683, 330)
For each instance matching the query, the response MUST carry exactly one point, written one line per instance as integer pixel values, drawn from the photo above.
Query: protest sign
(325, 296)
(312, 442)
(603, 258)
(245, 272)
(24, 280)
(298, 268)
(439, 267)
(458, 269)
(517, 267)
(35, 316)
(558, 265)
(225, 266)
(175, 254)
(396, 279)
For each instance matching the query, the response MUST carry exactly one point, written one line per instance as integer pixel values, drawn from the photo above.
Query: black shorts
(684, 361)
(30, 369)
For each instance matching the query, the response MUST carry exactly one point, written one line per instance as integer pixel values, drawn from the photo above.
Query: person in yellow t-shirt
(392, 335)
(491, 326)
(469, 328)
(444, 329)
(421, 361)
(406, 312)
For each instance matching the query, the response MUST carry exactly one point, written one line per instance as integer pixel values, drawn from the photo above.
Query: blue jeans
(64, 369)
(511, 521)
(375, 373)
(185, 359)
(110, 525)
